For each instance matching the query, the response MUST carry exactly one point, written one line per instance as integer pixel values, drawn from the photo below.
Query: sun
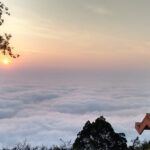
(5, 61)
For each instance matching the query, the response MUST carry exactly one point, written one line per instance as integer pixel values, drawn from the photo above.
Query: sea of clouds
(43, 111)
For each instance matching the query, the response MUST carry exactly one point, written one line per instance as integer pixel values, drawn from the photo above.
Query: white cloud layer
(44, 112)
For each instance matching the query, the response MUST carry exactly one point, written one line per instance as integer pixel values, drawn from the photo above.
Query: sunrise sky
(64, 34)
(79, 59)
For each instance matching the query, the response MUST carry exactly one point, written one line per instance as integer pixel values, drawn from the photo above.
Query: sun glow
(5, 61)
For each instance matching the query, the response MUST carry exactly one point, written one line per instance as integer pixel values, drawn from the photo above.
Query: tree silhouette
(99, 135)
(5, 47)
(136, 144)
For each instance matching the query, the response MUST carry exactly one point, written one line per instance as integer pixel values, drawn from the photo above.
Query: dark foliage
(145, 145)
(137, 145)
(25, 146)
(99, 135)
(5, 47)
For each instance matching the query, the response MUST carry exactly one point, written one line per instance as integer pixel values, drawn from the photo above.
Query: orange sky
(86, 35)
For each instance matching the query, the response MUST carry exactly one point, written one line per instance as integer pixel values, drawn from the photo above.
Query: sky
(79, 60)
(81, 35)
